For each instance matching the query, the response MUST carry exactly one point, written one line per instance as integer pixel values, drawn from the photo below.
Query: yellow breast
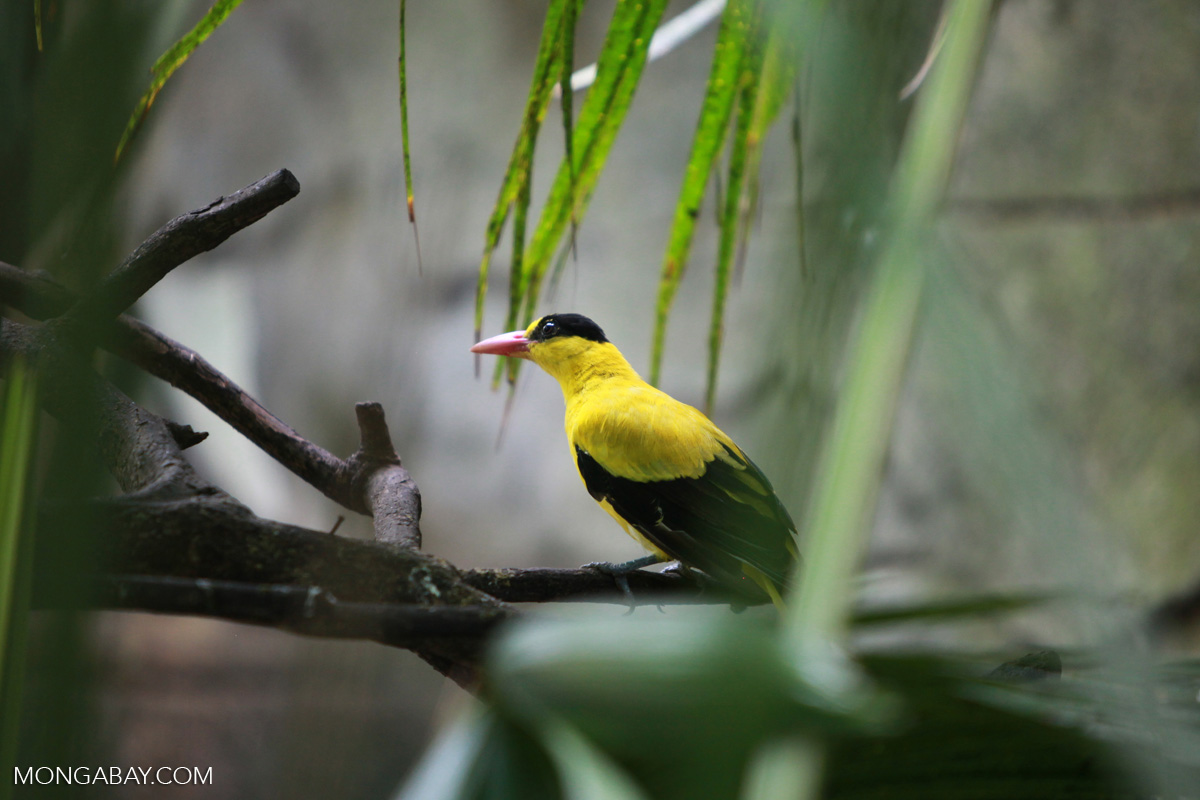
(637, 432)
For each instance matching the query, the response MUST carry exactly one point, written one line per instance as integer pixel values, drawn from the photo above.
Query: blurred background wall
(1050, 430)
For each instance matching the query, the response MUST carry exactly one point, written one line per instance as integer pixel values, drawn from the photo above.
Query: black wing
(724, 519)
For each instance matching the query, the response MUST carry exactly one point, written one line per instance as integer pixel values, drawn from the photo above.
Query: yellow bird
(672, 478)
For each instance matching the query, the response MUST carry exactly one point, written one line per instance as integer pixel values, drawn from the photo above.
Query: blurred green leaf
(851, 61)
(843, 503)
(17, 435)
(585, 770)
(483, 756)
(940, 609)
(64, 211)
(37, 22)
(954, 746)
(650, 693)
(775, 86)
(681, 706)
(172, 60)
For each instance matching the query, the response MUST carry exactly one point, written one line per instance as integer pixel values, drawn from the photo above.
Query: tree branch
(138, 446)
(202, 538)
(310, 611)
(180, 239)
(541, 585)
(185, 369)
(207, 557)
(390, 492)
(208, 538)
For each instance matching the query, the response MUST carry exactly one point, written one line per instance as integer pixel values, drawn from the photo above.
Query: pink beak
(506, 344)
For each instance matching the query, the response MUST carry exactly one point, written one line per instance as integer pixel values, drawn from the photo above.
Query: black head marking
(553, 325)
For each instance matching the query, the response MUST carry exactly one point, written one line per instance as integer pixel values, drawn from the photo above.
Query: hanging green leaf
(408, 181)
(844, 496)
(520, 163)
(516, 284)
(775, 86)
(172, 60)
(618, 71)
(719, 99)
(747, 104)
(568, 58)
(518, 277)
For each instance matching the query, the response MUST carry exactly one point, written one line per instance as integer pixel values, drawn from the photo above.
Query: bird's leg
(624, 567)
(618, 572)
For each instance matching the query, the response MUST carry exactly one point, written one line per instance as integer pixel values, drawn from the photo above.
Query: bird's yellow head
(561, 344)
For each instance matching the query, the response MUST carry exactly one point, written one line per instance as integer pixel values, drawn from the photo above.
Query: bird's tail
(766, 584)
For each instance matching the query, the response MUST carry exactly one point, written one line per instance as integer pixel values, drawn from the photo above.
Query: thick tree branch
(553, 585)
(310, 611)
(180, 239)
(208, 538)
(203, 556)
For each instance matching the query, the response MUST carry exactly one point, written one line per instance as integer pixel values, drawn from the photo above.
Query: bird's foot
(623, 567)
(619, 572)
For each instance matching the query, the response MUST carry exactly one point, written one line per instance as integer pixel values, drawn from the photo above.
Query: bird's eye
(549, 329)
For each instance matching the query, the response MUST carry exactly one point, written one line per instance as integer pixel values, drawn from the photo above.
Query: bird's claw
(619, 576)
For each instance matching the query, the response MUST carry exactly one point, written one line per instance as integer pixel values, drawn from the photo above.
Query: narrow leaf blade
(172, 60)
(520, 163)
(408, 180)
(619, 69)
(738, 153)
(719, 98)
